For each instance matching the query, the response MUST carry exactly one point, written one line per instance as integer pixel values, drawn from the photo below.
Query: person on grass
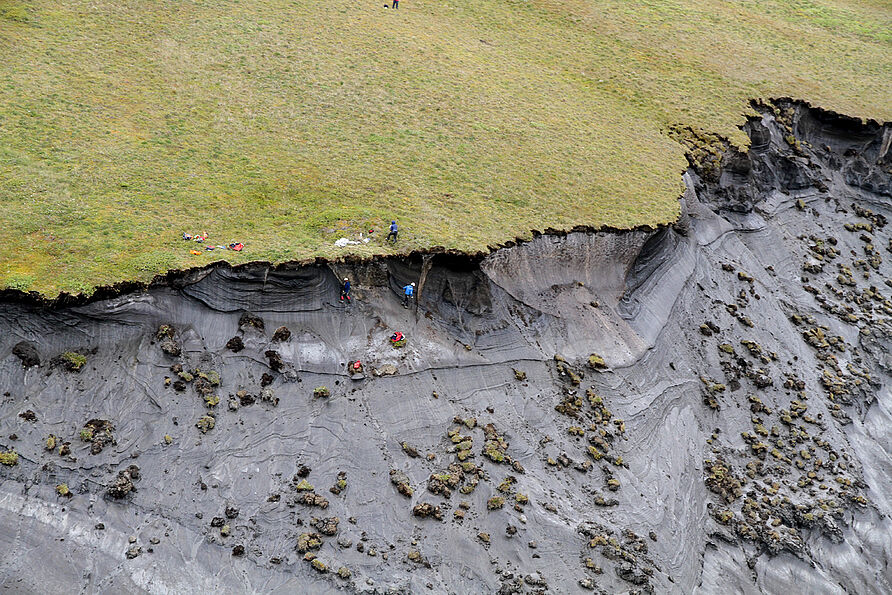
(393, 232)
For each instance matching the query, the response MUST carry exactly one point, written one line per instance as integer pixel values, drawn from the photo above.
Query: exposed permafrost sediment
(734, 435)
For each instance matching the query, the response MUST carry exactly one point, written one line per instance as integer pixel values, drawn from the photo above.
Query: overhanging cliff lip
(180, 277)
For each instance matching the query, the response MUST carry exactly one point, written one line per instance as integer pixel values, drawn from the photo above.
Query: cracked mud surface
(731, 433)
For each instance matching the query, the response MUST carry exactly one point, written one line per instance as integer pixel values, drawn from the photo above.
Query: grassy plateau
(289, 124)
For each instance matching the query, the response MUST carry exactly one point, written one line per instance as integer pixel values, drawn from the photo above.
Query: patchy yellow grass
(287, 124)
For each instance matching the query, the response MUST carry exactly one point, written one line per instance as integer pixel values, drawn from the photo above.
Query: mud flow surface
(701, 408)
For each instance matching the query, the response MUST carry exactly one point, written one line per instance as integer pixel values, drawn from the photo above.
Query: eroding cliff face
(704, 407)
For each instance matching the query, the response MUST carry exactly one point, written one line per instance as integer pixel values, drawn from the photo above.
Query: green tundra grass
(289, 124)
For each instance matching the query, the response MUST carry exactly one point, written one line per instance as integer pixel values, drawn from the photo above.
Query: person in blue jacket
(393, 232)
(345, 290)
(408, 293)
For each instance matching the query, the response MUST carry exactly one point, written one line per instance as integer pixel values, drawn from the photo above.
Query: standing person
(396, 4)
(393, 229)
(408, 293)
(345, 290)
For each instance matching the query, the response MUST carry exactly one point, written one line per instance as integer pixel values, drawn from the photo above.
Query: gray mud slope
(735, 438)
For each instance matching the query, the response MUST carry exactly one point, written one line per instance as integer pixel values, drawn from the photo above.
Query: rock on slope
(701, 408)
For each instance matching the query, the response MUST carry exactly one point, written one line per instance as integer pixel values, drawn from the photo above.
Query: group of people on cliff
(408, 290)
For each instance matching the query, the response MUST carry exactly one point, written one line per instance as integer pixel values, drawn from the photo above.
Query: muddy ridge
(700, 407)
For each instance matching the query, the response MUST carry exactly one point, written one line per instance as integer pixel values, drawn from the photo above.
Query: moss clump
(185, 376)
(519, 374)
(73, 361)
(308, 541)
(495, 503)
(723, 516)
(495, 446)
(754, 348)
(9, 458)
(50, 442)
(211, 400)
(168, 439)
(722, 480)
(445, 482)
(565, 371)
(212, 377)
(570, 405)
(86, 434)
(304, 486)
(596, 362)
(340, 485)
(344, 572)
(165, 331)
(205, 423)
(726, 348)
(494, 454)
(507, 484)
(794, 143)
(321, 392)
(409, 449)
(401, 481)
(319, 565)
(62, 490)
(469, 467)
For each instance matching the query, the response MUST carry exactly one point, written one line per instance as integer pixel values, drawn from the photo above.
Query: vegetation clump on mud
(9, 458)
(206, 423)
(73, 361)
(99, 433)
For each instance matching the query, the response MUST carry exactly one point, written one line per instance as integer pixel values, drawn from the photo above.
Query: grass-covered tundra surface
(289, 124)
